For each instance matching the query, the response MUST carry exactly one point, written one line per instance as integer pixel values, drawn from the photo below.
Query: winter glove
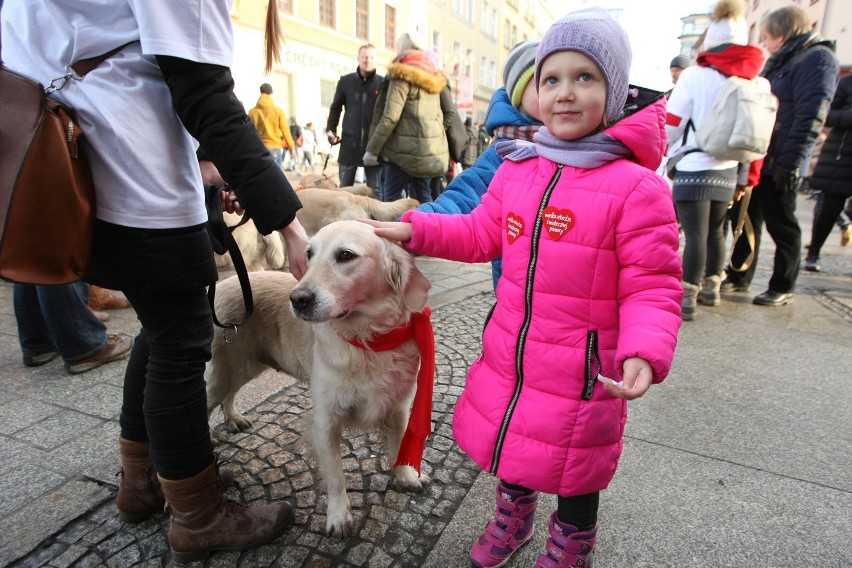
(332, 137)
(370, 159)
(786, 179)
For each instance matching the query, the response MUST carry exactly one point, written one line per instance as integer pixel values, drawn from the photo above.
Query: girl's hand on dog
(394, 231)
(636, 377)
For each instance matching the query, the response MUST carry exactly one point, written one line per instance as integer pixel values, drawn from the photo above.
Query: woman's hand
(210, 173)
(636, 378)
(394, 231)
(296, 241)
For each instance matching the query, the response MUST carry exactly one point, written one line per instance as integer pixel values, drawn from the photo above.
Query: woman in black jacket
(833, 173)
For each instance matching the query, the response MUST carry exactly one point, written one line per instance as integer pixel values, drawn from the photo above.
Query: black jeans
(164, 274)
(778, 210)
(703, 224)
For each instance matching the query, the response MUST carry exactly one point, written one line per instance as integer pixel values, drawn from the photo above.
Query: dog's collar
(420, 422)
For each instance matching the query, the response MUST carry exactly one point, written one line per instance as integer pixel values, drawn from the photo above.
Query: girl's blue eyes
(582, 77)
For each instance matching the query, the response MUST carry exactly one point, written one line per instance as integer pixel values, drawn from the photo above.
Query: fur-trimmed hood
(429, 82)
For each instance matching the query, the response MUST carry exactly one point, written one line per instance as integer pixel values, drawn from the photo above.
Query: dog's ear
(406, 279)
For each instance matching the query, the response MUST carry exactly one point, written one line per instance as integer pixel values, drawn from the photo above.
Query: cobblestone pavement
(270, 462)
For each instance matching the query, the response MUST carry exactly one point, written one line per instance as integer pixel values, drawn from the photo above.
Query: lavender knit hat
(592, 32)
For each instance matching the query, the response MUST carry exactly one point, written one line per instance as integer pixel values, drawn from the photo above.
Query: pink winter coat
(590, 269)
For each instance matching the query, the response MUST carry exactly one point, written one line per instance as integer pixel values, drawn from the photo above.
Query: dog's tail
(389, 210)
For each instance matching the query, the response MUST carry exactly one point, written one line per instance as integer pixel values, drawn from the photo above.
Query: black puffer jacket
(358, 95)
(833, 173)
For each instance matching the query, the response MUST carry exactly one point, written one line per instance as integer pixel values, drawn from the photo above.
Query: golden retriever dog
(319, 180)
(320, 207)
(323, 206)
(358, 286)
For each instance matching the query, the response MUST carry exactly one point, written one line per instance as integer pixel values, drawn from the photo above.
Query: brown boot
(203, 520)
(139, 494)
(103, 299)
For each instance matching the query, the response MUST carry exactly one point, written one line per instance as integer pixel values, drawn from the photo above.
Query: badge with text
(514, 227)
(557, 221)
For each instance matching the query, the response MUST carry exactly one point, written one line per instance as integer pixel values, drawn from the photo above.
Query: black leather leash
(222, 240)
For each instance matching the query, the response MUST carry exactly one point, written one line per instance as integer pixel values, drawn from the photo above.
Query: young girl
(590, 289)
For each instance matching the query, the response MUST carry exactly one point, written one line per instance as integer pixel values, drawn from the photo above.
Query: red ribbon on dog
(420, 422)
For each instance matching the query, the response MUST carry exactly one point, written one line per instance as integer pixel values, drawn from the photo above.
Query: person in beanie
(703, 185)
(505, 120)
(590, 289)
(676, 67)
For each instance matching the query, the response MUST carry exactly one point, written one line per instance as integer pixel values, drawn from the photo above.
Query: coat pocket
(593, 364)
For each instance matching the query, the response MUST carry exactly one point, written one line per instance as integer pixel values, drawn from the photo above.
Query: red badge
(514, 227)
(557, 222)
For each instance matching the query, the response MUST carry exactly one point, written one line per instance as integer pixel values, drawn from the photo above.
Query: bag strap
(83, 66)
(222, 239)
(742, 226)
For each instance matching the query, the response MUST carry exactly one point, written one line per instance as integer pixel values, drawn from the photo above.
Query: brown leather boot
(203, 520)
(139, 494)
(103, 299)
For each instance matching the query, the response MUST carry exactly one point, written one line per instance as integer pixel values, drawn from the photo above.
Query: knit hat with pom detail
(728, 26)
(592, 32)
(519, 69)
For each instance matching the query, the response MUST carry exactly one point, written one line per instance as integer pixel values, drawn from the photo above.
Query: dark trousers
(395, 181)
(703, 224)
(778, 211)
(828, 210)
(164, 274)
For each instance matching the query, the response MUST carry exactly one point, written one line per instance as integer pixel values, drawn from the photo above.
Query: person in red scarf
(703, 185)
(407, 130)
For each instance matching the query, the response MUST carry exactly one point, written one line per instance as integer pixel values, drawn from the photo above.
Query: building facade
(833, 20)
(321, 39)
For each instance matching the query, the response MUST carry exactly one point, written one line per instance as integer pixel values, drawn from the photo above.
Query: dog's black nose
(301, 299)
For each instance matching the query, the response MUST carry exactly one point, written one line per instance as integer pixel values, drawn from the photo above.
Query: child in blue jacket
(512, 114)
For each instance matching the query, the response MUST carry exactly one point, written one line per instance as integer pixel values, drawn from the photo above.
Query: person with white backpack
(708, 169)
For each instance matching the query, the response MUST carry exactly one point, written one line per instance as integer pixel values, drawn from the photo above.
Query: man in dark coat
(357, 92)
(803, 71)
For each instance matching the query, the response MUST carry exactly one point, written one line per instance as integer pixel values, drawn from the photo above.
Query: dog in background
(358, 286)
(319, 208)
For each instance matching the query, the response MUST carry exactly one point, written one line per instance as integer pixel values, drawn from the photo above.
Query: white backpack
(740, 122)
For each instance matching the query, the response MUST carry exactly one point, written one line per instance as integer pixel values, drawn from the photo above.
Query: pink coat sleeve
(474, 237)
(649, 288)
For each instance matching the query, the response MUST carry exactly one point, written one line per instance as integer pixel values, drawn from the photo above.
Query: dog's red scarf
(420, 422)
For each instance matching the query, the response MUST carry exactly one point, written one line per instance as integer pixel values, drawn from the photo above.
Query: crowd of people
(557, 189)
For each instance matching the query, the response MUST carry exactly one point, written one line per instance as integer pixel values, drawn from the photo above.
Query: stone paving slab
(271, 462)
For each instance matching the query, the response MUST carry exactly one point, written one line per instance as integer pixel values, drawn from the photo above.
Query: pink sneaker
(567, 548)
(512, 527)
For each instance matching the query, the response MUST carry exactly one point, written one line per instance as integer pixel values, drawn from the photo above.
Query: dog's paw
(408, 478)
(237, 423)
(339, 523)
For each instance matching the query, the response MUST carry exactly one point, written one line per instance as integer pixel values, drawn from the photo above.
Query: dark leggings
(830, 208)
(703, 224)
(165, 397)
(164, 274)
(578, 510)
